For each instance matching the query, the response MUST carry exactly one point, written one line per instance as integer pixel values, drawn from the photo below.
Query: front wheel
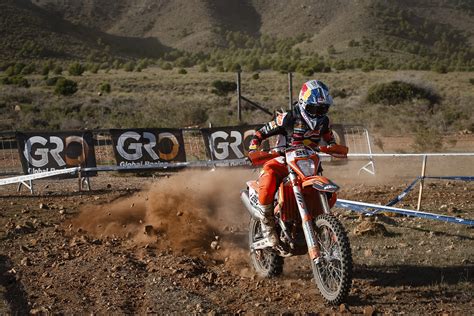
(265, 262)
(333, 272)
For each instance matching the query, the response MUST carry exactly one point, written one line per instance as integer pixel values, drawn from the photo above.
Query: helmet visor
(317, 109)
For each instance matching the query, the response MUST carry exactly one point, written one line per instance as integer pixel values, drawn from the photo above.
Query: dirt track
(122, 250)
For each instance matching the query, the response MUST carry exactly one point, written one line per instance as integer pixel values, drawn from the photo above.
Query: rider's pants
(272, 174)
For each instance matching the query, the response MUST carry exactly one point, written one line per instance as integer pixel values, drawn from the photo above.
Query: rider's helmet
(314, 101)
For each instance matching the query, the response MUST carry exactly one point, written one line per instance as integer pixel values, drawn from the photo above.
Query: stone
(368, 311)
(25, 261)
(343, 308)
(370, 229)
(149, 230)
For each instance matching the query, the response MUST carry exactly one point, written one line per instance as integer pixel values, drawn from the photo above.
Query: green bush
(16, 80)
(367, 67)
(52, 81)
(10, 71)
(58, 70)
(105, 87)
(235, 67)
(94, 68)
(396, 92)
(45, 70)
(117, 64)
(76, 69)
(28, 69)
(203, 68)
(65, 87)
(427, 139)
(308, 72)
(223, 87)
(142, 64)
(167, 66)
(130, 66)
(18, 68)
(440, 68)
(21, 82)
(336, 93)
(182, 71)
(331, 50)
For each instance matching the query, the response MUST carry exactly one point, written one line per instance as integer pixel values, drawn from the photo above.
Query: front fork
(308, 223)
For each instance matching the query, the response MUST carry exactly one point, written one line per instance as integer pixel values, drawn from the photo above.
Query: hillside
(30, 32)
(327, 22)
(255, 34)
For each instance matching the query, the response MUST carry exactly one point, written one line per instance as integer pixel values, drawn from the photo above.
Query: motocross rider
(306, 124)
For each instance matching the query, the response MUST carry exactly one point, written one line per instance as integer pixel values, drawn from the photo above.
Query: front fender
(321, 184)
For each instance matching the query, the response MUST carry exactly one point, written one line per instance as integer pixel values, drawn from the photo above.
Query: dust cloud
(184, 213)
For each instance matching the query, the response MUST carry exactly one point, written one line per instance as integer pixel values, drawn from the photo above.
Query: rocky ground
(177, 244)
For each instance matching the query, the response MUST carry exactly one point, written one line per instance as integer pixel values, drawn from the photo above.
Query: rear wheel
(265, 262)
(333, 273)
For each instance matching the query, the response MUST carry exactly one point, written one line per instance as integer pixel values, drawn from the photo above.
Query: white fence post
(422, 181)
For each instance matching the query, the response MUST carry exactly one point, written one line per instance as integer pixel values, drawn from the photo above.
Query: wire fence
(9, 156)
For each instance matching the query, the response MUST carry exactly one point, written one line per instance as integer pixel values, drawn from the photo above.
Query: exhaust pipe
(254, 212)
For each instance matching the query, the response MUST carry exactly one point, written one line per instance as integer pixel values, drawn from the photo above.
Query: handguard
(259, 157)
(336, 150)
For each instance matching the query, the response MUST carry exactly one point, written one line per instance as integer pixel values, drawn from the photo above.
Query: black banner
(147, 146)
(49, 151)
(230, 142)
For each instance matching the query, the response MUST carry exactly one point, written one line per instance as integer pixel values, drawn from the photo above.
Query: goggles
(317, 109)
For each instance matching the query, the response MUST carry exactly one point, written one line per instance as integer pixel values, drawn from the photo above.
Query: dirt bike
(303, 221)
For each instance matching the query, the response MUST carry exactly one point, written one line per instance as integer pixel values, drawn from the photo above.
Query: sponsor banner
(50, 151)
(230, 142)
(147, 146)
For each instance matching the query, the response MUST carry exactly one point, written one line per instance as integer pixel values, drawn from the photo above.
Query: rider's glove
(253, 145)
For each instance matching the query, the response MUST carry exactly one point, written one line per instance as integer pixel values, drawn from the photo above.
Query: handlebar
(259, 157)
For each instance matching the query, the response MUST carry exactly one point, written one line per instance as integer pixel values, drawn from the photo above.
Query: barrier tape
(410, 155)
(175, 165)
(37, 176)
(366, 207)
(156, 166)
(462, 178)
(412, 185)
(404, 193)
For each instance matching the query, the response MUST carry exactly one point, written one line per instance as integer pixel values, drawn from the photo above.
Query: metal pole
(239, 112)
(370, 150)
(290, 90)
(422, 180)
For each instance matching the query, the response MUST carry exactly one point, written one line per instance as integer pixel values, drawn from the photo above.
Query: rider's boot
(268, 226)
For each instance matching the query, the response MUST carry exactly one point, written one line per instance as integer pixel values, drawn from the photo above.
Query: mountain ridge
(146, 28)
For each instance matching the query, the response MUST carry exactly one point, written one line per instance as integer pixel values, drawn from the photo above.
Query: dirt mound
(192, 212)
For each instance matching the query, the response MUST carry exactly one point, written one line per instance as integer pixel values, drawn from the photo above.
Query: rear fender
(321, 184)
